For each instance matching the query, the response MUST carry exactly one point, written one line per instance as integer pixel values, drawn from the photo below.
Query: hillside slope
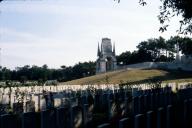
(134, 76)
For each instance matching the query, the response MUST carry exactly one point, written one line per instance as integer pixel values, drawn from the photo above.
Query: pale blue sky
(64, 32)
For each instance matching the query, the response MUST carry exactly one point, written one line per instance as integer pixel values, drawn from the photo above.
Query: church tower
(106, 60)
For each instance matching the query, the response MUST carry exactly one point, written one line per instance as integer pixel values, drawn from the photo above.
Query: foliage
(151, 50)
(156, 49)
(124, 58)
(173, 8)
(42, 74)
(186, 46)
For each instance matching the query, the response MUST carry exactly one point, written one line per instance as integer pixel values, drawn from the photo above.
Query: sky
(65, 32)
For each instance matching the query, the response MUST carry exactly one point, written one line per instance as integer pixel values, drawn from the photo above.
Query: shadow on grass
(170, 75)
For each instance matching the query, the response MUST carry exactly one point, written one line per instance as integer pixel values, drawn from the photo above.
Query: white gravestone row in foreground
(38, 98)
(121, 108)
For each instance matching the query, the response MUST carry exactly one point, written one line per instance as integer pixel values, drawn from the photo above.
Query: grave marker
(31, 120)
(48, 118)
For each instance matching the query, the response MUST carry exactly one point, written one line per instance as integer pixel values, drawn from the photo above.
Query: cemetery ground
(96, 106)
(135, 76)
(135, 99)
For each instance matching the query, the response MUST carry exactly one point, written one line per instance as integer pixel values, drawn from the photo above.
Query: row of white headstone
(35, 94)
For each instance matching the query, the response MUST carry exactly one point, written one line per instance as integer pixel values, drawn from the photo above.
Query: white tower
(178, 57)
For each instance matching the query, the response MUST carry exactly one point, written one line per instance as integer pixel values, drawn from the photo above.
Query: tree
(124, 58)
(23, 79)
(171, 46)
(63, 66)
(186, 46)
(41, 74)
(137, 56)
(149, 46)
(141, 56)
(159, 48)
(172, 8)
(5, 74)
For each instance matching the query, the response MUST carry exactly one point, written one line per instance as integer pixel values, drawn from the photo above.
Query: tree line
(43, 73)
(154, 49)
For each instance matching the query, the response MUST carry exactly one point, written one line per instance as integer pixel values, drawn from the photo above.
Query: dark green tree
(186, 46)
(124, 58)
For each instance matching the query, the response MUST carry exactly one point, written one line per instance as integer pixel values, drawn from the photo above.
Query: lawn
(134, 76)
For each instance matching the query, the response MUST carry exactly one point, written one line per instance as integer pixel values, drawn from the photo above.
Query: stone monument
(106, 56)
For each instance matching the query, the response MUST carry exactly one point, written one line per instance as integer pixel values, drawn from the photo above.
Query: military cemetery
(57, 105)
(131, 106)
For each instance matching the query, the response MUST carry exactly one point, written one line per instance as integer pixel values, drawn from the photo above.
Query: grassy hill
(134, 76)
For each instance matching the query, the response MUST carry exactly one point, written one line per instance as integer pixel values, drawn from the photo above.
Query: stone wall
(161, 65)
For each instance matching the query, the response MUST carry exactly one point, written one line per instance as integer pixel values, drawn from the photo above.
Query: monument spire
(114, 48)
(178, 58)
(101, 50)
(98, 50)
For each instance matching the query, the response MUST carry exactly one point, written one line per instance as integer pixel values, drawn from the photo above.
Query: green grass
(134, 76)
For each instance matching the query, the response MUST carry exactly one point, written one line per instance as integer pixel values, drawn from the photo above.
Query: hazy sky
(64, 32)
